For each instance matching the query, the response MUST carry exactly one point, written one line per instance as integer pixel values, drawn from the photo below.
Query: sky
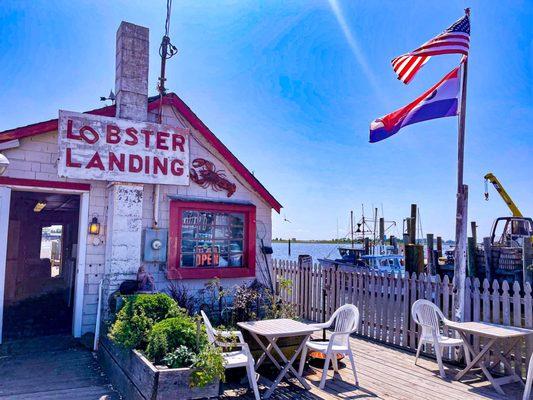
(291, 88)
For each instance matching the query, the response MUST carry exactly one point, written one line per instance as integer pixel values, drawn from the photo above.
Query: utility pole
(461, 221)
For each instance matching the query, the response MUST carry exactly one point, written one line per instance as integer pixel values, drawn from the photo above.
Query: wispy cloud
(356, 50)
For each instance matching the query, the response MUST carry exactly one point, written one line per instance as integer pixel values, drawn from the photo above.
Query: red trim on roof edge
(6, 180)
(47, 126)
(173, 100)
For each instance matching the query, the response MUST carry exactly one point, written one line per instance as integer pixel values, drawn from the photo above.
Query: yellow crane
(504, 195)
(515, 228)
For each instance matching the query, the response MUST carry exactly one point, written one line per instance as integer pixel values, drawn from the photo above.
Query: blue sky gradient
(291, 87)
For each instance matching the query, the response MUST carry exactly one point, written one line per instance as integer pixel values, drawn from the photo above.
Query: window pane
(187, 245)
(236, 246)
(235, 260)
(205, 232)
(222, 219)
(222, 232)
(222, 246)
(224, 260)
(188, 232)
(187, 260)
(190, 217)
(237, 232)
(237, 219)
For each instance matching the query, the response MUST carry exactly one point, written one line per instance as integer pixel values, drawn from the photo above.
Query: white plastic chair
(237, 358)
(346, 320)
(529, 380)
(429, 317)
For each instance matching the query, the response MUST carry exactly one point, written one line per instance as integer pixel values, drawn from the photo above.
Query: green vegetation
(169, 334)
(138, 315)
(155, 325)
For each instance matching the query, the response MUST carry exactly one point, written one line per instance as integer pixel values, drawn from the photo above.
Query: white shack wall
(36, 158)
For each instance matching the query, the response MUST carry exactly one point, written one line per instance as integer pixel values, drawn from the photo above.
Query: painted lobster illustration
(204, 173)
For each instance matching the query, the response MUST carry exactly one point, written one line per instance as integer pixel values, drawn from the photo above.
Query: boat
(382, 259)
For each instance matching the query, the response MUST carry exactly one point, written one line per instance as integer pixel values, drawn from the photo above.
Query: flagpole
(461, 220)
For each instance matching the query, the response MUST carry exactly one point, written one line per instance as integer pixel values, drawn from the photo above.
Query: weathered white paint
(80, 267)
(11, 144)
(88, 144)
(5, 200)
(124, 234)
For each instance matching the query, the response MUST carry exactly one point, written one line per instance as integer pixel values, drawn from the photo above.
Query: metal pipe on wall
(157, 191)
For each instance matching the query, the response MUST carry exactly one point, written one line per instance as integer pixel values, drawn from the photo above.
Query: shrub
(168, 335)
(209, 366)
(182, 357)
(138, 315)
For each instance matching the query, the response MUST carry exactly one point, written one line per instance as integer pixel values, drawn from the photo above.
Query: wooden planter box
(136, 378)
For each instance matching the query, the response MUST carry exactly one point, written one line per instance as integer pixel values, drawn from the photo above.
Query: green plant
(182, 357)
(138, 315)
(209, 366)
(276, 307)
(169, 334)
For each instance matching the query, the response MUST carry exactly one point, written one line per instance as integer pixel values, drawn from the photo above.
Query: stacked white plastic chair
(346, 320)
(429, 317)
(237, 358)
(529, 380)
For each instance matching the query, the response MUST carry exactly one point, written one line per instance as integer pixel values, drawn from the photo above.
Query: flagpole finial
(467, 11)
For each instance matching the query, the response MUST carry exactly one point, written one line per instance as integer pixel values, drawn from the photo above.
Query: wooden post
(432, 268)
(439, 246)
(412, 225)
(461, 220)
(471, 258)
(289, 246)
(474, 230)
(487, 249)
(459, 273)
(527, 261)
(351, 228)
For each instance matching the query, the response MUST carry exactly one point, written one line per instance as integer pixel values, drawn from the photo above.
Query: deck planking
(51, 368)
(385, 373)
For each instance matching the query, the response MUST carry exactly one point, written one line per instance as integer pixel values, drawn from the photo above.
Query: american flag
(454, 40)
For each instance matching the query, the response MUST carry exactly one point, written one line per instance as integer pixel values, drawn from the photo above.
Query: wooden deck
(51, 368)
(385, 373)
(62, 369)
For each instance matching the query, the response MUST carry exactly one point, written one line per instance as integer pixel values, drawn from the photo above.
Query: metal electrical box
(155, 245)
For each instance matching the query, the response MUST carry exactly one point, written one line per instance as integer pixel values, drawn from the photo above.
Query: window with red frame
(211, 240)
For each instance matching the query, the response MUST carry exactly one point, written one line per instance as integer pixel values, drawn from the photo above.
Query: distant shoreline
(345, 241)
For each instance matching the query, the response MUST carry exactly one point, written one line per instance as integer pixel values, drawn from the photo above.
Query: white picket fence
(384, 301)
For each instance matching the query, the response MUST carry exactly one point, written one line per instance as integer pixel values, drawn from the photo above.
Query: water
(315, 250)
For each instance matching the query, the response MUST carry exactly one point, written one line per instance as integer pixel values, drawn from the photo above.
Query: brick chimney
(125, 200)
(131, 76)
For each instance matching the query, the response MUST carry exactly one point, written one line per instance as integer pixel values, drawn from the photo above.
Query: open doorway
(41, 264)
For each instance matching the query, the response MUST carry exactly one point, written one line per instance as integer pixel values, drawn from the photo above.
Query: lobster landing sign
(112, 149)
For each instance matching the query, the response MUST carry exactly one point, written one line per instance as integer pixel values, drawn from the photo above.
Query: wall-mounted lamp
(4, 163)
(94, 227)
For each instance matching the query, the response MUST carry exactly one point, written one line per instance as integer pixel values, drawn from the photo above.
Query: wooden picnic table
(508, 336)
(272, 330)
